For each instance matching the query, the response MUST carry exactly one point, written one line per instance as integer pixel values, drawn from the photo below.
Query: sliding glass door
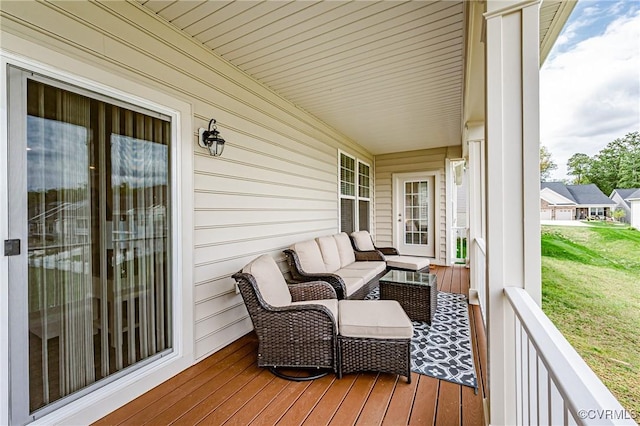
(89, 204)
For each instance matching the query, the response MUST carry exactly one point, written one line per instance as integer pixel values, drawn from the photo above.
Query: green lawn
(591, 291)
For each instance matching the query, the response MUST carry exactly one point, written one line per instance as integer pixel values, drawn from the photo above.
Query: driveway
(564, 223)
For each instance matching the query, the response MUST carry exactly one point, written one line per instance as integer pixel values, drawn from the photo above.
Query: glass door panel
(96, 248)
(415, 215)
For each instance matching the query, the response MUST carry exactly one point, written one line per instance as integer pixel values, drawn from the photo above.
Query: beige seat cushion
(331, 304)
(374, 265)
(271, 283)
(345, 249)
(352, 284)
(377, 319)
(363, 240)
(367, 274)
(330, 255)
(413, 263)
(310, 256)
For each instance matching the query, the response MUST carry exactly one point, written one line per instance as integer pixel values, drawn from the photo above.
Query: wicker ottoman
(374, 335)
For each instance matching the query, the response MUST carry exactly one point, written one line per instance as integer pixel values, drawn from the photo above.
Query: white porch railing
(478, 273)
(554, 385)
(460, 243)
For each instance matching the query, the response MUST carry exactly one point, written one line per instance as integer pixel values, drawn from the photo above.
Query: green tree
(630, 162)
(617, 165)
(578, 166)
(618, 214)
(547, 165)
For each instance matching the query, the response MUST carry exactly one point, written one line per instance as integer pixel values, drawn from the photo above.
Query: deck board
(307, 401)
(426, 402)
(373, 412)
(399, 409)
(449, 406)
(350, 409)
(228, 388)
(324, 411)
(216, 388)
(280, 405)
(258, 403)
(231, 406)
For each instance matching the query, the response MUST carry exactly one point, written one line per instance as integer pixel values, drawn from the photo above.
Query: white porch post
(512, 143)
(477, 208)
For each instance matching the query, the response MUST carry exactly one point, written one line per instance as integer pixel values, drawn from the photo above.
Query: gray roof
(586, 195)
(624, 193)
(589, 195)
(635, 195)
(558, 188)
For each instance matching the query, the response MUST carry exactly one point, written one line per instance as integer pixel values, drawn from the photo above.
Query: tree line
(617, 165)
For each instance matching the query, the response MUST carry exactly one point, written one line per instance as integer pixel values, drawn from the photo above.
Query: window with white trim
(364, 196)
(355, 194)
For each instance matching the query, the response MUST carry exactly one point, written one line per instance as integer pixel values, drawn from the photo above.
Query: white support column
(477, 203)
(512, 143)
(449, 211)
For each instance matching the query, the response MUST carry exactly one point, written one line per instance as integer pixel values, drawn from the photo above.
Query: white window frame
(356, 197)
(359, 198)
(70, 71)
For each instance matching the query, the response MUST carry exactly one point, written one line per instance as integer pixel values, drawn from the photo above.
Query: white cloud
(590, 92)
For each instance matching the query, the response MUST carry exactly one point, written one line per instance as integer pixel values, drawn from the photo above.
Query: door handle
(12, 247)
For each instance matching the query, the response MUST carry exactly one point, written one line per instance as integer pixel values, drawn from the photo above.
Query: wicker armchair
(363, 243)
(296, 325)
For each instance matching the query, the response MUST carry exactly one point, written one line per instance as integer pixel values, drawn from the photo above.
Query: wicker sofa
(332, 259)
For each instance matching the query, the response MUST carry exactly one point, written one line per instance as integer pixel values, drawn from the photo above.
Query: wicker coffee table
(417, 293)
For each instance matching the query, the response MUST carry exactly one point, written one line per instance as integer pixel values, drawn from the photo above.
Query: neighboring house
(620, 197)
(570, 202)
(634, 209)
(556, 202)
(335, 114)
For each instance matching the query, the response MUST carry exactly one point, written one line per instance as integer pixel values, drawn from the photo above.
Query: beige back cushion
(329, 251)
(363, 240)
(310, 257)
(345, 250)
(271, 283)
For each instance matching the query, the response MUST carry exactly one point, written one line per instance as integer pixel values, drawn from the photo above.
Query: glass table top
(409, 277)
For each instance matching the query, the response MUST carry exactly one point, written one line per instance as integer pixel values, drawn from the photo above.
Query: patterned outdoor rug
(443, 350)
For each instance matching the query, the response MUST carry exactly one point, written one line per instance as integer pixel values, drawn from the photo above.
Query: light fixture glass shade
(210, 139)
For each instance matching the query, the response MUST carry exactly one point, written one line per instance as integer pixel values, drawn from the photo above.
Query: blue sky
(590, 82)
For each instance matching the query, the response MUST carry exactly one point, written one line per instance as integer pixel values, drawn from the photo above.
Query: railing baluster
(518, 366)
(542, 384)
(533, 383)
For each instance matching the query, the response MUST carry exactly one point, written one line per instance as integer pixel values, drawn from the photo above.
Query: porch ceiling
(389, 75)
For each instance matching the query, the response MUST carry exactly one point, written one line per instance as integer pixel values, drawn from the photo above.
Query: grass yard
(591, 291)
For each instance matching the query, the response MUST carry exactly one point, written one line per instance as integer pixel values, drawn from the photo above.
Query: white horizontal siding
(276, 182)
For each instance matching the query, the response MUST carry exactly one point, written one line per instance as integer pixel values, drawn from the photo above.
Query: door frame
(95, 403)
(396, 201)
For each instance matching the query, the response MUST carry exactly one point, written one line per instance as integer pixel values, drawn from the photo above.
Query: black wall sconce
(211, 139)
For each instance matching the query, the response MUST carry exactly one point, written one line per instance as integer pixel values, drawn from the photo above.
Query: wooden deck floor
(228, 388)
